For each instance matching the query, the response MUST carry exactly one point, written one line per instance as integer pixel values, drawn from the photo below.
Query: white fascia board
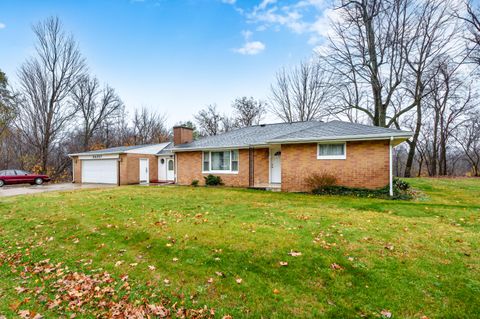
(343, 138)
(98, 156)
(90, 154)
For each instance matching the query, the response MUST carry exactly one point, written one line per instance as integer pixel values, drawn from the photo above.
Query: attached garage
(100, 171)
(123, 165)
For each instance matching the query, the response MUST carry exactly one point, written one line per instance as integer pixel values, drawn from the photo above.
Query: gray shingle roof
(167, 150)
(338, 129)
(114, 150)
(252, 135)
(143, 149)
(292, 132)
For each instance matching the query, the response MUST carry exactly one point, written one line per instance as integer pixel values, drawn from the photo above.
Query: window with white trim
(220, 161)
(332, 151)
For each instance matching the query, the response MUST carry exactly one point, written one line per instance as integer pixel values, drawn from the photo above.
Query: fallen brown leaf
(336, 266)
(295, 253)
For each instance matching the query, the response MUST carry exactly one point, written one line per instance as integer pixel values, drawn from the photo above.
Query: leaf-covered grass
(408, 258)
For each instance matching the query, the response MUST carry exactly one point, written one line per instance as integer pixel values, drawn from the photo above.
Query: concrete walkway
(14, 190)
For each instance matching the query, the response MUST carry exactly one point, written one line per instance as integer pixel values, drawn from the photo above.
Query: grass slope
(410, 259)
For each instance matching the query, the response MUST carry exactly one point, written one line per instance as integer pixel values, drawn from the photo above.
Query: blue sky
(174, 56)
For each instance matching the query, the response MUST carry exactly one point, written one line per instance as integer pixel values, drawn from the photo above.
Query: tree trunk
(434, 158)
(86, 141)
(420, 164)
(44, 159)
(413, 142)
(443, 157)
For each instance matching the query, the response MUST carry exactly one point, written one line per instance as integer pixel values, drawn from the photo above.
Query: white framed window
(220, 162)
(332, 150)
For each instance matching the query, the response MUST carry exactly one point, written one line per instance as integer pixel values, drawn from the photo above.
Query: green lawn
(186, 248)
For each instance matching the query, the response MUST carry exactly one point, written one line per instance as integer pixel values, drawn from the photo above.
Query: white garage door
(99, 171)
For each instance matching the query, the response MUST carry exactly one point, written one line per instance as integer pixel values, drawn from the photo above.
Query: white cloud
(269, 14)
(310, 17)
(2, 25)
(264, 4)
(251, 48)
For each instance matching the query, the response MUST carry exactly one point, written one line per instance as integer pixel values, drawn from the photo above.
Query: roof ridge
(302, 129)
(270, 124)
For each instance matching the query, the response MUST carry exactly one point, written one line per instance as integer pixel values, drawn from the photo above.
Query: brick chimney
(182, 135)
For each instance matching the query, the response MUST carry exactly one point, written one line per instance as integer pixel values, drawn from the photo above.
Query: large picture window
(332, 151)
(220, 161)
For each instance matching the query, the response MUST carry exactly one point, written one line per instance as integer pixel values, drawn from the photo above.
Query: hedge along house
(284, 155)
(124, 165)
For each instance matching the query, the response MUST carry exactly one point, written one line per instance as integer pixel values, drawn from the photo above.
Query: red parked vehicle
(16, 176)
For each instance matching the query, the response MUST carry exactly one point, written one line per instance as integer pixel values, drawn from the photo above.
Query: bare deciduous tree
(471, 17)
(46, 82)
(149, 127)
(209, 121)
(451, 101)
(366, 55)
(299, 94)
(248, 111)
(383, 56)
(96, 105)
(228, 123)
(469, 140)
(434, 36)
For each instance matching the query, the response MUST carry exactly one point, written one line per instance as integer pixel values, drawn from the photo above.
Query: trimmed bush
(212, 180)
(383, 192)
(195, 182)
(400, 185)
(320, 181)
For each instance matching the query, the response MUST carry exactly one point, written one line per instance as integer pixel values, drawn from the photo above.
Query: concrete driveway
(14, 190)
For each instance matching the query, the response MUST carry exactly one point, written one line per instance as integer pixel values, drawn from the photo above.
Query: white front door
(162, 169)
(171, 169)
(166, 169)
(275, 165)
(100, 171)
(144, 173)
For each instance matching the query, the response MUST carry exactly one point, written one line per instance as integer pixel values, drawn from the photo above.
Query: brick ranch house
(269, 156)
(284, 155)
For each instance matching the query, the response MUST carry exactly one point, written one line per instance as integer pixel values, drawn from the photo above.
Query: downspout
(119, 162)
(73, 170)
(391, 166)
(176, 167)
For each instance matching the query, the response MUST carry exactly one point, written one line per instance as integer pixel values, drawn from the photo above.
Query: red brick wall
(77, 170)
(130, 168)
(261, 166)
(190, 168)
(366, 165)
